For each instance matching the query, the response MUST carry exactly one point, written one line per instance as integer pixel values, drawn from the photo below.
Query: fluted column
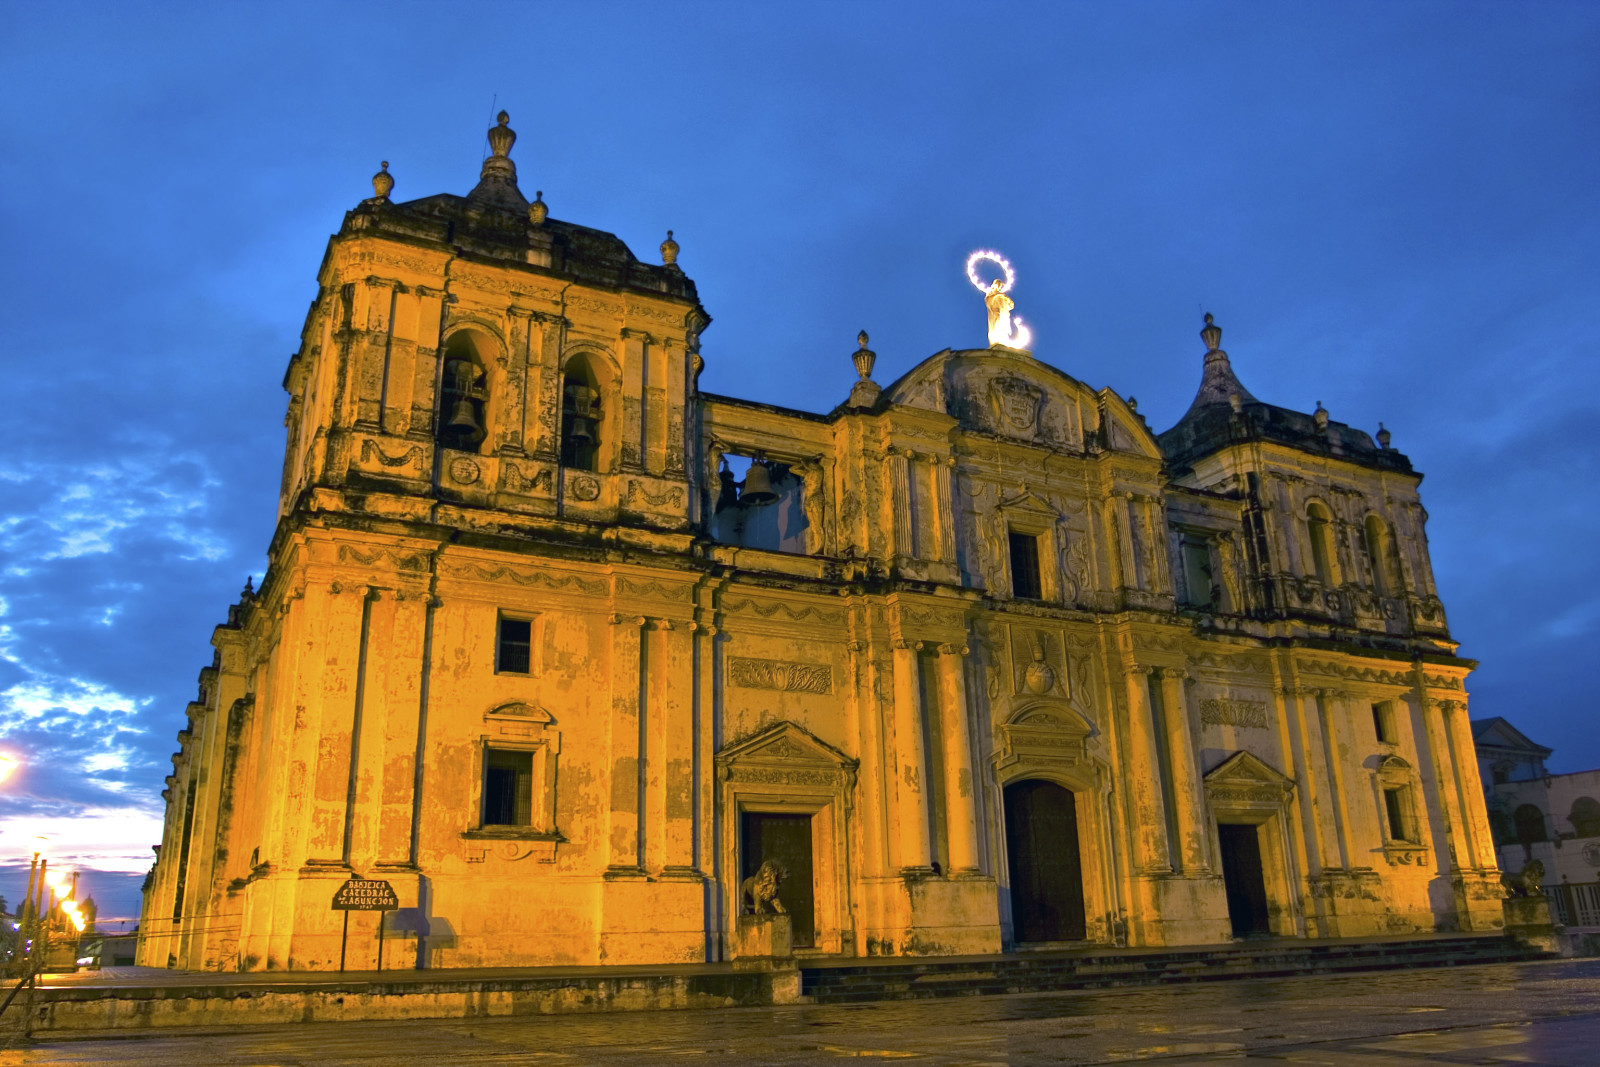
(1127, 546)
(1188, 797)
(944, 504)
(1149, 830)
(910, 772)
(960, 790)
(898, 469)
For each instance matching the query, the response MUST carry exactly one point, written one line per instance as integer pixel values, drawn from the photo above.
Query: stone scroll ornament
(1005, 330)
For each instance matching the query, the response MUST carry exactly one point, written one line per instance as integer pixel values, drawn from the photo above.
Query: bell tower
(475, 352)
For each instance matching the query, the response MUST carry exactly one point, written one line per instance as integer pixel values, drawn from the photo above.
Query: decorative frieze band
(784, 677)
(1221, 711)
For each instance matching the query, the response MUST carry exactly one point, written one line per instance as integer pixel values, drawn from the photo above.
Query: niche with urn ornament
(1043, 716)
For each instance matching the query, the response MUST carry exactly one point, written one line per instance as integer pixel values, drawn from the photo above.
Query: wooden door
(1244, 879)
(1046, 875)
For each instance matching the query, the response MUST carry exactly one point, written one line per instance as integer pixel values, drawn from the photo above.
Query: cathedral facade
(564, 649)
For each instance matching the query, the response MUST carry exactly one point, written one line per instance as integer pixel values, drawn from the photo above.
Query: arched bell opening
(461, 419)
(1044, 861)
(580, 416)
(1324, 551)
(766, 509)
(1382, 558)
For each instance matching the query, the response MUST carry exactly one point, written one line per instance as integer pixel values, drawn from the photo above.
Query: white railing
(1575, 905)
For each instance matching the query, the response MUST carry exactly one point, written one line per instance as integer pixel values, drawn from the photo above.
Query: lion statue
(1526, 882)
(759, 892)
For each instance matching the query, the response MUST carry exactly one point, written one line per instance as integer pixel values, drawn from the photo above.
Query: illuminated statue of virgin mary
(1004, 330)
(1001, 329)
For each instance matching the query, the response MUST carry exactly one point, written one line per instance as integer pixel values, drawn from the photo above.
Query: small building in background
(1552, 818)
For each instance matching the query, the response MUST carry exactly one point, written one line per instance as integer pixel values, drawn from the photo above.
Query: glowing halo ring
(998, 260)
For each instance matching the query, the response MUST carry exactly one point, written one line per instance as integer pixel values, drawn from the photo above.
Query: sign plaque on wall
(364, 894)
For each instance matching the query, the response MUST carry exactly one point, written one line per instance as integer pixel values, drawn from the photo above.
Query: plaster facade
(995, 662)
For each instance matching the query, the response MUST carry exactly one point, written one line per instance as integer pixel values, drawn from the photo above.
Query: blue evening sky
(1393, 208)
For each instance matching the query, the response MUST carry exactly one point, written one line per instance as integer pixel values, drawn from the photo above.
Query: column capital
(953, 650)
(1140, 668)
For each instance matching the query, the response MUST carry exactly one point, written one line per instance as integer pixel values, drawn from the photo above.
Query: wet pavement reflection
(1543, 1013)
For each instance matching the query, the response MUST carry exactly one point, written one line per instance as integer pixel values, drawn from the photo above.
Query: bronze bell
(581, 432)
(758, 485)
(463, 417)
(582, 398)
(728, 489)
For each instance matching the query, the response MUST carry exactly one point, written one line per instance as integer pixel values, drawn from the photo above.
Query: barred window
(514, 646)
(507, 788)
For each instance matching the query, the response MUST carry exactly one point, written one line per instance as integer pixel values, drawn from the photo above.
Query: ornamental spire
(1218, 383)
(497, 182)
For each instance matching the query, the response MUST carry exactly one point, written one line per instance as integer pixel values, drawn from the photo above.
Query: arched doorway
(1046, 875)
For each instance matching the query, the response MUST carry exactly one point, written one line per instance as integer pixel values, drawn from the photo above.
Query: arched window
(1530, 824)
(461, 419)
(1376, 539)
(1324, 557)
(580, 417)
(1585, 817)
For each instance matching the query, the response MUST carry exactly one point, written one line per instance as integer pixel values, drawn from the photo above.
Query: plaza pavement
(1528, 1013)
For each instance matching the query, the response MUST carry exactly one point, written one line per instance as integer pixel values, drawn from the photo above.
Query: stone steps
(1102, 968)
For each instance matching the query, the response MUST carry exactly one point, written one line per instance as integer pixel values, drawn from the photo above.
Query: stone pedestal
(763, 943)
(1528, 920)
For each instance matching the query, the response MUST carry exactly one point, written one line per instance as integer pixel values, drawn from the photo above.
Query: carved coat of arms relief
(1016, 406)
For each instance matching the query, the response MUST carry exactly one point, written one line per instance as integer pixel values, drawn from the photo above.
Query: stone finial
(498, 170)
(864, 393)
(1320, 416)
(383, 182)
(1211, 334)
(1383, 436)
(863, 357)
(249, 587)
(502, 136)
(1236, 402)
(1133, 403)
(669, 250)
(538, 211)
